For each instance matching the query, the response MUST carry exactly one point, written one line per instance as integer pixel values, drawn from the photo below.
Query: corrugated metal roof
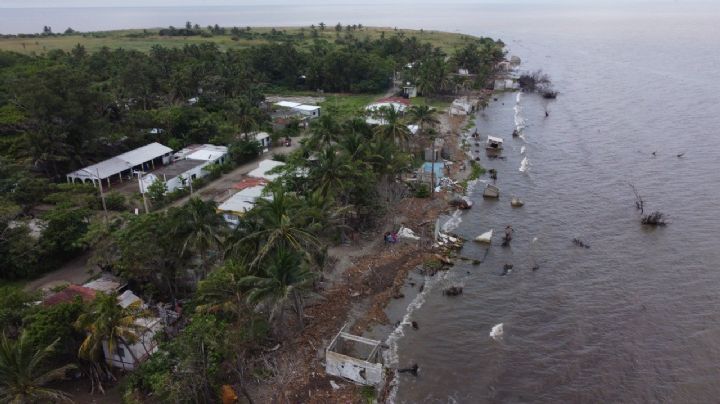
(307, 107)
(264, 167)
(122, 162)
(242, 201)
(287, 104)
(146, 153)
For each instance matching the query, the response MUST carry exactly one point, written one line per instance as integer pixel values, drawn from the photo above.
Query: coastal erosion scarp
(360, 289)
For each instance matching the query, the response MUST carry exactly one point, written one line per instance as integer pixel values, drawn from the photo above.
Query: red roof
(69, 293)
(399, 100)
(249, 182)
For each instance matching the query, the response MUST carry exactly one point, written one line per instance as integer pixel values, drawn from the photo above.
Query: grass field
(143, 40)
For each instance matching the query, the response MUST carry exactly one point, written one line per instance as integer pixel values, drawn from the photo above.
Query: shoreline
(366, 278)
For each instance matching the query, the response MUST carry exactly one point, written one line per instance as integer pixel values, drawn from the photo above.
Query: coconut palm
(331, 171)
(325, 131)
(281, 282)
(224, 289)
(199, 228)
(424, 116)
(392, 127)
(277, 225)
(22, 377)
(107, 321)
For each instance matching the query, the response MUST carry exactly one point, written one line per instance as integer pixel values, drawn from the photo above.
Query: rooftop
(177, 167)
(69, 293)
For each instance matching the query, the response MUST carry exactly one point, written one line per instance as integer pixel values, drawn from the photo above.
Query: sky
(189, 3)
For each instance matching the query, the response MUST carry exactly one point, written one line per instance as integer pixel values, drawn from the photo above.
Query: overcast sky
(180, 3)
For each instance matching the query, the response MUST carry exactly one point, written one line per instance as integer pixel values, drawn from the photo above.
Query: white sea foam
(390, 355)
(453, 222)
(524, 165)
(497, 332)
(522, 150)
(517, 98)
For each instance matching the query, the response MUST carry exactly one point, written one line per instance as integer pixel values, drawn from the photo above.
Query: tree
(22, 379)
(107, 321)
(392, 126)
(424, 116)
(325, 130)
(198, 228)
(281, 282)
(322, 26)
(157, 190)
(279, 227)
(224, 290)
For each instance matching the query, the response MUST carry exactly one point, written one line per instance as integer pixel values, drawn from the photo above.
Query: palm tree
(325, 131)
(224, 289)
(424, 116)
(331, 171)
(283, 280)
(199, 227)
(22, 378)
(107, 321)
(277, 226)
(392, 126)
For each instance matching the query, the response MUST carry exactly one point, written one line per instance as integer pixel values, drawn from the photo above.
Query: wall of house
(359, 371)
(141, 349)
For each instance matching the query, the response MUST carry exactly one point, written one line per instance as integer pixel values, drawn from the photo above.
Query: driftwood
(580, 243)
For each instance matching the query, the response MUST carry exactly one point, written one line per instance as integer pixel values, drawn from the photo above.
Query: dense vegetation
(63, 110)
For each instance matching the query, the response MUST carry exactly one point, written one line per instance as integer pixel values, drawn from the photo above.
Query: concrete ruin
(356, 359)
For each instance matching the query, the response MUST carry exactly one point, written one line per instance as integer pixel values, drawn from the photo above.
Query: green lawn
(143, 40)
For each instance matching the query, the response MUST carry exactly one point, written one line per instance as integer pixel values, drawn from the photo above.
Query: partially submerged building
(188, 164)
(122, 166)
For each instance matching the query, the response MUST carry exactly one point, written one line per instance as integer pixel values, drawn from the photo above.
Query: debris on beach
(491, 191)
(485, 237)
(497, 332)
(405, 232)
(453, 291)
(461, 202)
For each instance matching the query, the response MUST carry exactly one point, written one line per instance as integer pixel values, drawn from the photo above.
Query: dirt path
(74, 271)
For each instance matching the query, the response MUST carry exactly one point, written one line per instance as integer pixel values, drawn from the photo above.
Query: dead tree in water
(656, 218)
(639, 203)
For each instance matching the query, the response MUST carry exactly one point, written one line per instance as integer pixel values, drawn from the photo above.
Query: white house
(128, 355)
(310, 111)
(264, 139)
(372, 110)
(188, 164)
(240, 203)
(264, 167)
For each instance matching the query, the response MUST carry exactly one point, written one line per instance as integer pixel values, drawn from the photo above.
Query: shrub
(422, 191)
(115, 201)
(654, 219)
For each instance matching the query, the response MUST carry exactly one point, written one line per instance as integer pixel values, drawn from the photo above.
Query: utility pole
(102, 195)
(139, 174)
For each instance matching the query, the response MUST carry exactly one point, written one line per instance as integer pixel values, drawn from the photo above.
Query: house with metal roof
(122, 166)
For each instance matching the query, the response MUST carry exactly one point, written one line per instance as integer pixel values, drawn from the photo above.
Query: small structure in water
(494, 144)
(516, 202)
(491, 191)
